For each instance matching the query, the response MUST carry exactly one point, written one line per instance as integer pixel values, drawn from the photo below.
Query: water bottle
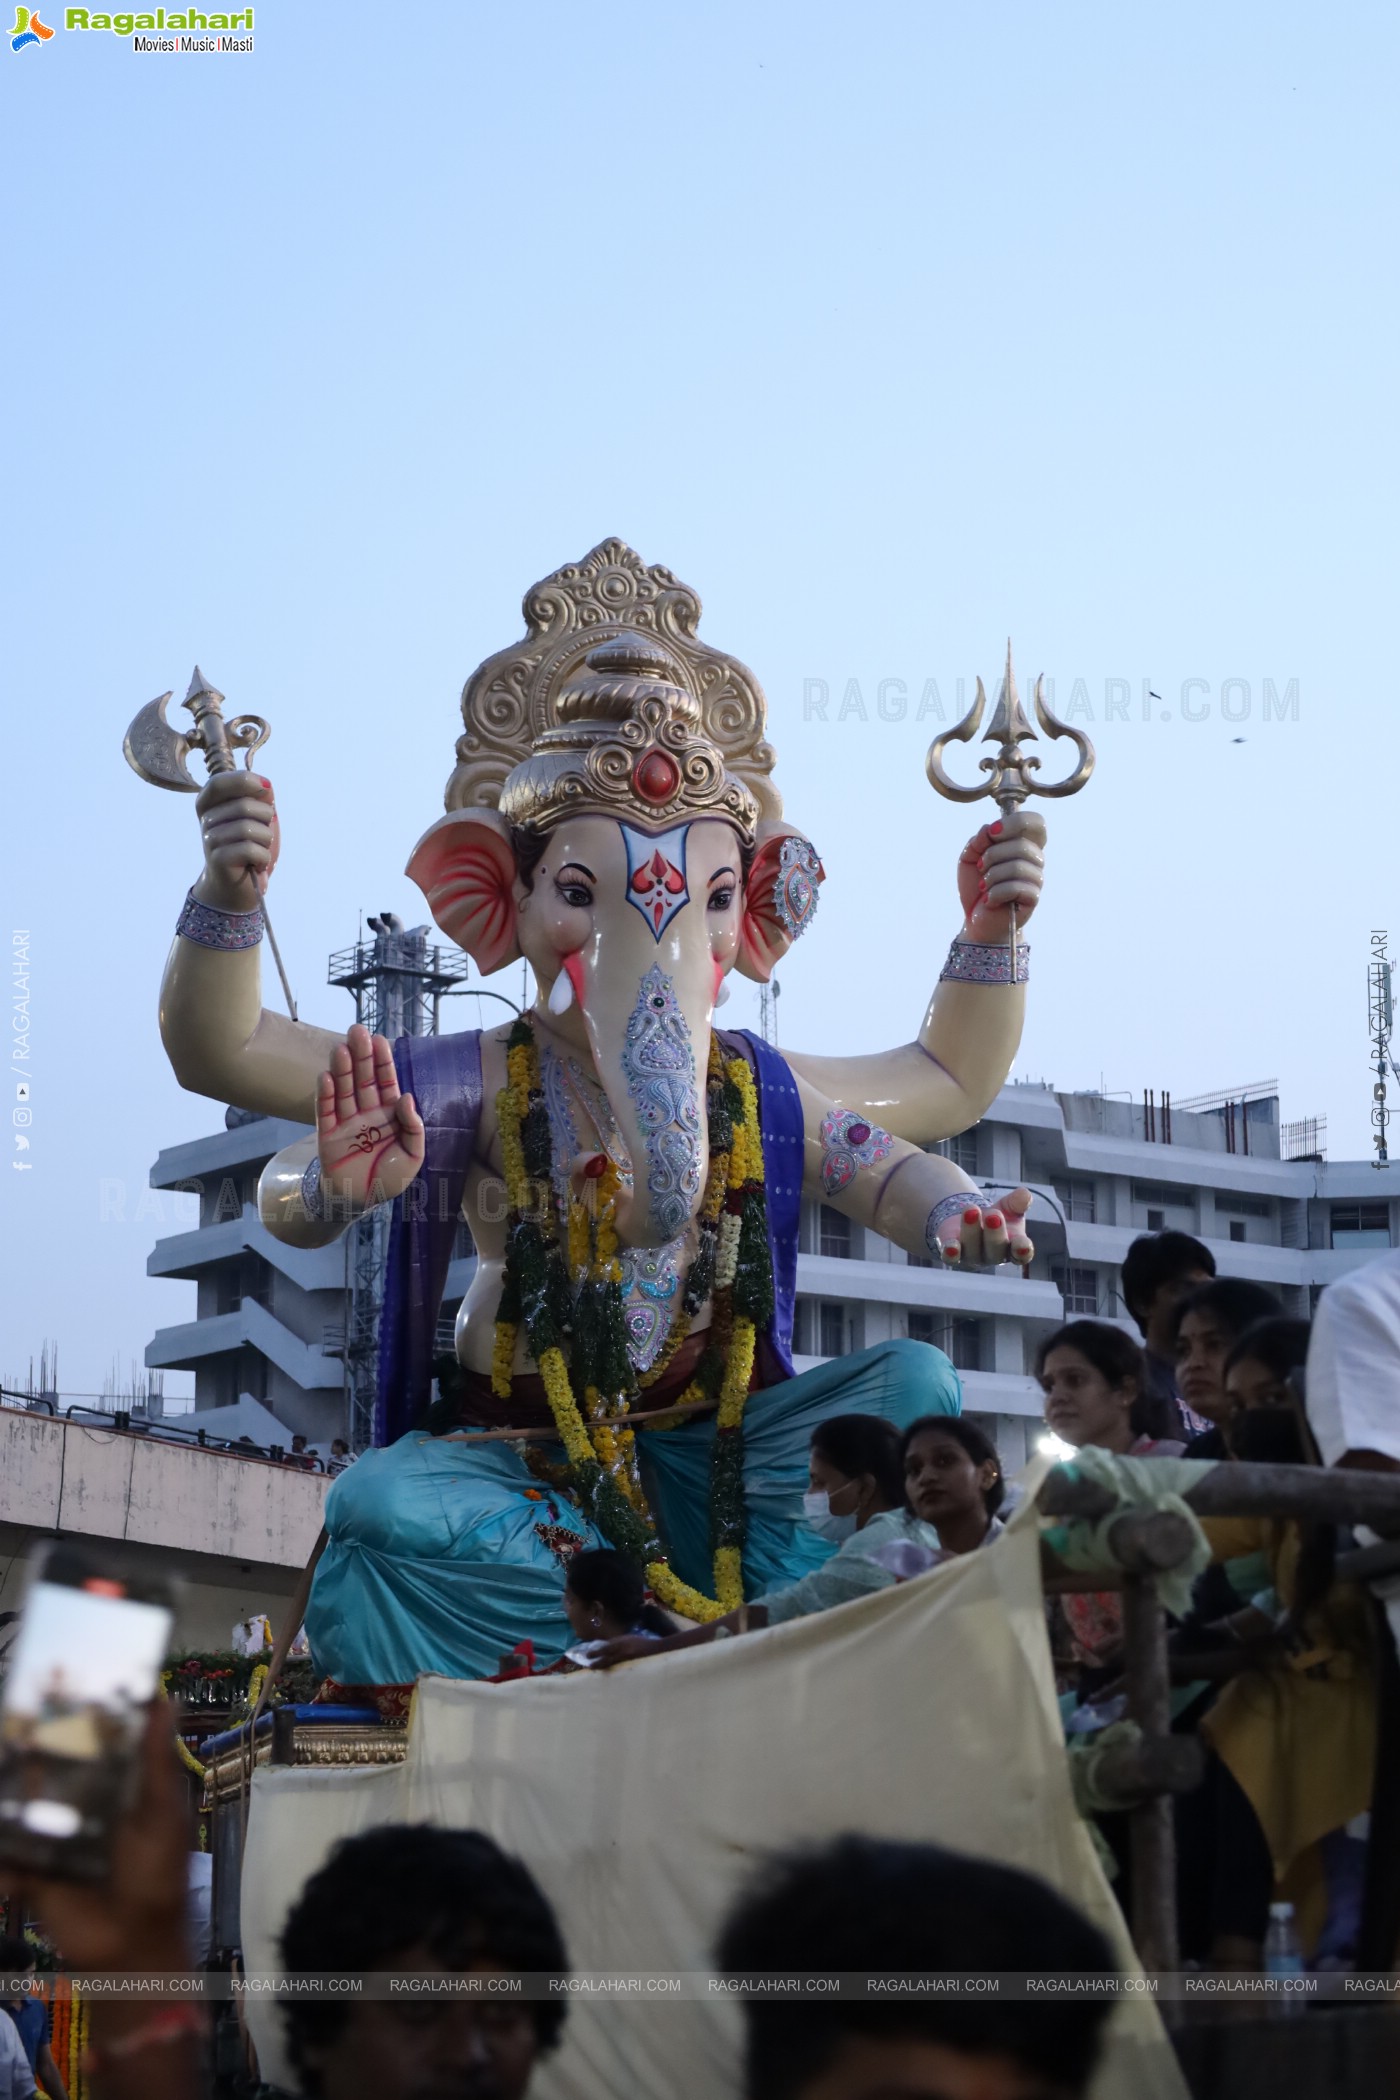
(1283, 1957)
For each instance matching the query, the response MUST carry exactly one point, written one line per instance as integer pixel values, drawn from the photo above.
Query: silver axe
(158, 751)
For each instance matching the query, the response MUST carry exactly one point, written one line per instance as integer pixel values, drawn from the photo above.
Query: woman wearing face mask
(855, 1502)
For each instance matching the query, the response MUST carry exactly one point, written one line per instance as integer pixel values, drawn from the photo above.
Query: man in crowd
(30, 2017)
(1353, 1404)
(1158, 1271)
(416, 1900)
(864, 1906)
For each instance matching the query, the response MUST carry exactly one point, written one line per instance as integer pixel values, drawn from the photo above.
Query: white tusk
(561, 994)
(723, 993)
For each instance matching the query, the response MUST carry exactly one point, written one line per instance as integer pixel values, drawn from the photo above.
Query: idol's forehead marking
(656, 874)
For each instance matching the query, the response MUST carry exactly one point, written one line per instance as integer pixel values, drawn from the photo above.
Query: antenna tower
(1379, 1015)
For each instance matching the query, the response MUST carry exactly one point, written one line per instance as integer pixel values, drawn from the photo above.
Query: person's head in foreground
(865, 1906)
(1159, 1269)
(953, 1479)
(854, 1473)
(1208, 1323)
(418, 1901)
(605, 1597)
(1095, 1386)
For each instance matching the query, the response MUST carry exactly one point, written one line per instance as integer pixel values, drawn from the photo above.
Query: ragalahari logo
(28, 29)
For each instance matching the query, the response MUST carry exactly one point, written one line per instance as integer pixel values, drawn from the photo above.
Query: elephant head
(628, 868)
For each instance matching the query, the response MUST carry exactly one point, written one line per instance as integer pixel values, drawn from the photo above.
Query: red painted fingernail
(994, 1217)
(971, 1214)
(951, 1251)
(996, 831)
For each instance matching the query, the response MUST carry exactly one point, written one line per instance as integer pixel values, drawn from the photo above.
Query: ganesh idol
(631, 1171)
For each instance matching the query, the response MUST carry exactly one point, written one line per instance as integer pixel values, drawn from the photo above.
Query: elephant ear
(780, 899)
(465, 867)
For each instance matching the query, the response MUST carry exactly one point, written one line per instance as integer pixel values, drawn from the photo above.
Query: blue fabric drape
(439, 1555)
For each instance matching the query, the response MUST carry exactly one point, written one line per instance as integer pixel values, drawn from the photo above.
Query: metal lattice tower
(1379, 1017)
(397, 982)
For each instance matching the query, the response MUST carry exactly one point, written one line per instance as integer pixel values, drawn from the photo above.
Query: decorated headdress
(610, 706)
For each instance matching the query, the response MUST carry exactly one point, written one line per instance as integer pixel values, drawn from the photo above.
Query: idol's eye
(575, 894)
(721, 899)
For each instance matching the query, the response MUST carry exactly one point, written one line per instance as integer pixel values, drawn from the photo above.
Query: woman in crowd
(1096, 1389)
(1096, 1392)
(1293, 1731)
(1208, 1323)
(1259, 1371)
(605, 1598)
(856, 1503)
(953, 1481)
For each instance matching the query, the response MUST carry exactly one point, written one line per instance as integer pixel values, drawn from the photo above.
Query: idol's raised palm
(369, 1136)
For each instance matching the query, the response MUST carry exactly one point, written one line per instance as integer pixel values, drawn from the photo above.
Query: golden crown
(611, 706)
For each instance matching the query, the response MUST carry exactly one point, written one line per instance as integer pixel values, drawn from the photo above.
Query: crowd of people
(434, 1903)
(1284, 1672)
(1278, 1667)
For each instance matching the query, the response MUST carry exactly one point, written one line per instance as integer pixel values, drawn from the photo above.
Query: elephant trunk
(650, 1039)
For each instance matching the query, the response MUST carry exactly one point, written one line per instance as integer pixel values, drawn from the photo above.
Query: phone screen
(85, 1664)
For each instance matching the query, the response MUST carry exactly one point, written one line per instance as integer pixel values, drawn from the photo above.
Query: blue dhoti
(441, 1556)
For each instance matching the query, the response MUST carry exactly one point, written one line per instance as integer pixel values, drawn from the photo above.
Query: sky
(894, 331)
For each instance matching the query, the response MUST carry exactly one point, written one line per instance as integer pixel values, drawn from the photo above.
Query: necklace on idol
(563, 1280)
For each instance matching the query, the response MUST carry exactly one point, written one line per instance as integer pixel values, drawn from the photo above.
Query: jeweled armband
(210, 928)
(312, 1199)
(985, 962)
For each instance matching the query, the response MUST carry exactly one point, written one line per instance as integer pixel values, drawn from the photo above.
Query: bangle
(312, 1197)
(985, 962)
(948, 1207)
(209, 927)
(167, 2025)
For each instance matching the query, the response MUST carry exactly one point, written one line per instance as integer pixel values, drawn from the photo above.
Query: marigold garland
(576, 1291)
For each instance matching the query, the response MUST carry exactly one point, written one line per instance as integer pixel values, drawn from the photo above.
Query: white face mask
(824, 1520)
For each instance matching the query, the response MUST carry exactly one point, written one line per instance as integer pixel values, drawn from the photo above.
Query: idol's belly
(651, 1308)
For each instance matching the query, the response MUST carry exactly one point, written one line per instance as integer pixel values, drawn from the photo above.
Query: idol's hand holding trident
(999, 874)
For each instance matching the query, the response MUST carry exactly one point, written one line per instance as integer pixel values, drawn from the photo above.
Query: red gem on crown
(656, 777)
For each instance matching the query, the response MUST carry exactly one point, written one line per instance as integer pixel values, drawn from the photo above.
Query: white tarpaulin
(642, 1798)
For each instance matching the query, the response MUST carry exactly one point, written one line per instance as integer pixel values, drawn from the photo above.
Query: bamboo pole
(1152, 1833)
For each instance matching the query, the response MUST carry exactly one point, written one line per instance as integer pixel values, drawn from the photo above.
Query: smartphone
(82, 1669)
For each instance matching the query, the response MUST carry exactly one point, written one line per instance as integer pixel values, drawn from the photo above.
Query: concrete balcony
(188, 1254)
(938, 1290)
(247, 1145)
(182, 1348)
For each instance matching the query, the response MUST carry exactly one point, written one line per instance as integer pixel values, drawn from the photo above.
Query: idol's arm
(282, 1200)
(218, 1037)
(942, 1082)
(920, 1201)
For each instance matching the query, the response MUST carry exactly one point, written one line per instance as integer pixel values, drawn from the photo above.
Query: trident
(1009, 781)
(158, 752)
